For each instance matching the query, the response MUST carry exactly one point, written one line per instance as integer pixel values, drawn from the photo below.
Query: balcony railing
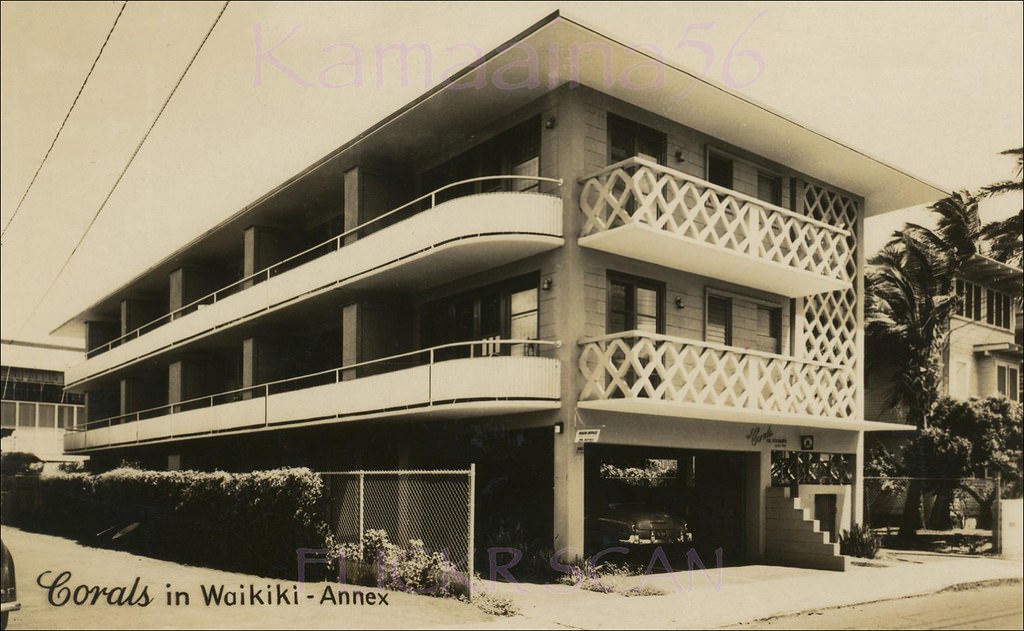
(420, 204)
(702, 376)
(510, 373)
(640, 194)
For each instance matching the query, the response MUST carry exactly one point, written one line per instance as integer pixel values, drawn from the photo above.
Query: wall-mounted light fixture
(558, 427)
(550, 123)
(680, 156)
(546, 284)
(679, 302)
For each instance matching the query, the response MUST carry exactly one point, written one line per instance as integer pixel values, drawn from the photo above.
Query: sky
(933, 88)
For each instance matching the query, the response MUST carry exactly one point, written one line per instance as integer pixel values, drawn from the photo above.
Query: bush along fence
(248, 522)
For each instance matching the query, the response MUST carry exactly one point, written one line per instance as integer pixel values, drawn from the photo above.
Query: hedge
(248, 522)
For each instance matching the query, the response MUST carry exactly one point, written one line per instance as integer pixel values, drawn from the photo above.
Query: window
(635, 304)
(718, 320)
(504, 310)
(997, 308)
(627, 139)
(983, 305)
(719, 169)
(769, 188)
(514, 152)
(1008, 381)
(768, 336)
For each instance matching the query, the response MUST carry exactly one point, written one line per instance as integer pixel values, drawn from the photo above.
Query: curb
(956, 587)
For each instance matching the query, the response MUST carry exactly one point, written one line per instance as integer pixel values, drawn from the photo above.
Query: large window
(718, 320)
(514, 152)
(635, 304)
(768, 337)
(627, 139)
(983, 305)
(720, 169)
(1008, 381)
(501, 311)
(769, 187)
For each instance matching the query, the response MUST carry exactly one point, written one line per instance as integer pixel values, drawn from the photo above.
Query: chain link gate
(436, 507)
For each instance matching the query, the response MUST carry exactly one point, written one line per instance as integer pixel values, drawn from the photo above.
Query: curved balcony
(642, 210)
(472, 232)
(483, 378)
(644, 373)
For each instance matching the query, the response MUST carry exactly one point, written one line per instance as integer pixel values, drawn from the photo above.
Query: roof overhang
(1004, 349)
(559, 52)
(996, 274)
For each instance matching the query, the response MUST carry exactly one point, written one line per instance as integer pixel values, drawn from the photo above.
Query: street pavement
(691, 599)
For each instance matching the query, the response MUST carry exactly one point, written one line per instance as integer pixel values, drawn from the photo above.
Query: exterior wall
(981, 378)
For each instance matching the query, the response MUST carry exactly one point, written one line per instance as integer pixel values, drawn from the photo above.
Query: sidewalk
(745, 593)
(692, 599)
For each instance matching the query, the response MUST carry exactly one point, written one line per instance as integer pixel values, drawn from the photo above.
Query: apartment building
(982, 356)
(35, 411)
(557, 280)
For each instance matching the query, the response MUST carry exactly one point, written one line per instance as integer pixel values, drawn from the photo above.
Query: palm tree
(909, 301)
(1007, 236)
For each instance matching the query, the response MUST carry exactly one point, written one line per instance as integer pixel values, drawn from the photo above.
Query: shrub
(384, 564)
(250, 522)
(495, 605)
(859, 541)
(644, 590)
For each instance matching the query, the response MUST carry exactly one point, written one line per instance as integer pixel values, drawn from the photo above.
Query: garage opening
(679, 499)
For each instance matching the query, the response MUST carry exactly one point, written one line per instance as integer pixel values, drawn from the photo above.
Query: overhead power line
(56, 136)
(127, 165)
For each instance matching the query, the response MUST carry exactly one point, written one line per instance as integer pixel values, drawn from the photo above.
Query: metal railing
(321, 249)
(428, 356)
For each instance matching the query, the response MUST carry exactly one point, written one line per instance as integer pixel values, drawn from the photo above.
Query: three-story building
(567, 261)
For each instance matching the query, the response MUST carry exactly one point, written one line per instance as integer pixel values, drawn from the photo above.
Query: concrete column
(250, 362)
(858, 482)
(351, 203)
(263, 247)
(178, 288)
(127, 397)
(568, 136)
(351, 350)
(175, 382)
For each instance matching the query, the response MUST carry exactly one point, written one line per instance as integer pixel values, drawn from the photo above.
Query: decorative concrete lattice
(638, 192)
(636, 365)
(830, 330)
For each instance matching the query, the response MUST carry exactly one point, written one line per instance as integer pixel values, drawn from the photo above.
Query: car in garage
(9, 594)
(639, 523)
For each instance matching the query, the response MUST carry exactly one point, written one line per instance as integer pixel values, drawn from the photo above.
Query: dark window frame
(633, 284)
(640, 135)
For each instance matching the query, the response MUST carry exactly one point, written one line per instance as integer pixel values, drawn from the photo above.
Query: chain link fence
(952, 514)
(435, 507)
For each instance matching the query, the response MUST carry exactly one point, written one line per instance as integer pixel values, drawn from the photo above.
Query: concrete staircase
(792, 538)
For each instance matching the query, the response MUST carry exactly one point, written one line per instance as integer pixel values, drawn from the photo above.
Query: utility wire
(81, 88)
(127, 165)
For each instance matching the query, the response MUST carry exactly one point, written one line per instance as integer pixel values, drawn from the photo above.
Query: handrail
(638, 161)
(711, 345)
(336, 240)
(265, 387)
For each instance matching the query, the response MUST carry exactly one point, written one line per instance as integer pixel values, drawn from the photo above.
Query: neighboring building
(35, 410)
(982, 356)
(672, 267)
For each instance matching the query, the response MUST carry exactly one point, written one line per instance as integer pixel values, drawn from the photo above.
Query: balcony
(450, 381)
(411, 248)
(644, 373)
(639, 209)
